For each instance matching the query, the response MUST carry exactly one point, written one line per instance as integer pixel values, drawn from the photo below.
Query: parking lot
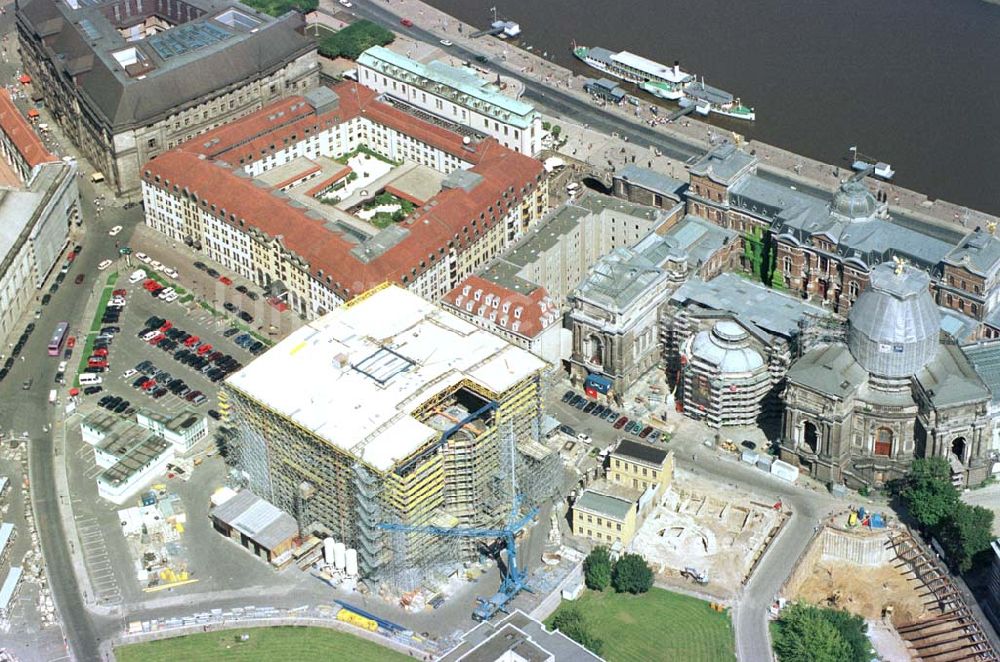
(146, 341)
(604, 416)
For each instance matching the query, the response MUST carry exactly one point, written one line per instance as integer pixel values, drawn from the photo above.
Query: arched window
(883, 442)
(594, 349)
(810, 436)
(786, 264)
(958, 449)
(852, 289)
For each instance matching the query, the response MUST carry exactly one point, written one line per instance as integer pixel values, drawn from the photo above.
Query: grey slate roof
(985, 358)
(696, 239)
(723, 163)
(652, 180)
(82, 41)
(605, 504)
(979, 252)
(750, 302)
(830, 370)
(256, 518)
(618, 279)
(642, 452)
(950, 379)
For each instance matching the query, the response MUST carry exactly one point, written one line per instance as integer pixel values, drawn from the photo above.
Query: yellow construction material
(160, 587)
(357, 620)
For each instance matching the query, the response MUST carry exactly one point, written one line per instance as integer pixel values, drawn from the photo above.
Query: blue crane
(514, 577)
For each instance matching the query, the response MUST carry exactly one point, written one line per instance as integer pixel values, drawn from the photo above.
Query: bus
(58, 338)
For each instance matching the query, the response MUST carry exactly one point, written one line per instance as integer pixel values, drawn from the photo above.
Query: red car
(192, 341)
(97, 362)
(71, 342)
(149, 284)
(645, 431)
(225, 281)
(204, 349)
(406, 23)
(120, 293)
(71, 256)
(100, 351)
(155, 340)
(149, 385)
(620, 423)
(167, 325)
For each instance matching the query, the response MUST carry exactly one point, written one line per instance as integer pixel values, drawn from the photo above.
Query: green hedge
(355, 39)
(279, 7)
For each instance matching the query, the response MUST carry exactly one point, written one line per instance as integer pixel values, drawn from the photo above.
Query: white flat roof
(354, 376)
(649, 66)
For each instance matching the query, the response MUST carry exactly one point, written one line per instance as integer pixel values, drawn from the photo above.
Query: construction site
(400, 431)
(695, 534)
(895, 582)
(154, 533)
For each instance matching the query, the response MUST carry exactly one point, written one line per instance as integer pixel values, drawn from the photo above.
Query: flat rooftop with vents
(355, 376)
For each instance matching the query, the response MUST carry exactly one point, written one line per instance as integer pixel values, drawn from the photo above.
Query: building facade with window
(824, 247)
(860, 412)
(130, 79)
(248, 195)
(456, 95)
(36, 215)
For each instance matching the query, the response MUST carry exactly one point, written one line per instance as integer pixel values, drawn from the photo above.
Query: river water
(915, 83)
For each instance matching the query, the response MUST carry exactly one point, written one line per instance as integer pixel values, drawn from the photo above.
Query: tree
(927, 491)
(805, 634)
(966, 533)
(571, 622)
(355, 39)
(597, 569)
(632, 574)
(854, 630)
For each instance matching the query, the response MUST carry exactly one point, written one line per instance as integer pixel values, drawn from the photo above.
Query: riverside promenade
(530, 64)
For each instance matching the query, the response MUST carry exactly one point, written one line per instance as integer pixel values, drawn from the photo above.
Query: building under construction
(391, 409)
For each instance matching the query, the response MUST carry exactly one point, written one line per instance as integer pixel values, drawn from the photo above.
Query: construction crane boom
(514, 579)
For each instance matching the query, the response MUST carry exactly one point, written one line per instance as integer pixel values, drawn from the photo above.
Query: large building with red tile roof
(19, 143)
(268, 197)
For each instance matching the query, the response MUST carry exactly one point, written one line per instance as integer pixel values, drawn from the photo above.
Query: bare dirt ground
(692, 527)
(859, 589)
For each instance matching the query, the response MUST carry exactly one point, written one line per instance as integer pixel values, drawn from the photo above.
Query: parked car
(245, 316)
(113, 232)
(567, 396)
(214, 414)
(645, 431)
(406, 23)
(621, 422)
(230, 332)
(91, 390)
(103, 265)
(230, 307)
(79, 277)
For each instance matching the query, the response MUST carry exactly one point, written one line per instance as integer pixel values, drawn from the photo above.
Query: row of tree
(629, 574)
(963, 531)
(807, 633)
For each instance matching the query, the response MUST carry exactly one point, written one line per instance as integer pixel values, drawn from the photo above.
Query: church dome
(893, 327)
(854, 201)
(726, 346)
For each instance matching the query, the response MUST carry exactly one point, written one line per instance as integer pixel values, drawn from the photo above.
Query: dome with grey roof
(726, 346)
(894, 325)
(854, 202)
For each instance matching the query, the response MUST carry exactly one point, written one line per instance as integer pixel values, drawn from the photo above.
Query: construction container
(764, 462)
(784, 471)
(352, 563)
(750, 457)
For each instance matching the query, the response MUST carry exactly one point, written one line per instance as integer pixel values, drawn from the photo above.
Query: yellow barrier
(357, 620)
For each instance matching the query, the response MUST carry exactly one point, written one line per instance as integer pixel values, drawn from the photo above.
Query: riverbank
(691, 130)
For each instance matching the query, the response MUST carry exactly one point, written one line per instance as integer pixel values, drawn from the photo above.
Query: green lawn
(95, 327)
(658, 625)
(277, 643)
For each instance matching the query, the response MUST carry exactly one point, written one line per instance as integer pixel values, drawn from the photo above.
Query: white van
(53, 397)
(136, 276)
(89, 379)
